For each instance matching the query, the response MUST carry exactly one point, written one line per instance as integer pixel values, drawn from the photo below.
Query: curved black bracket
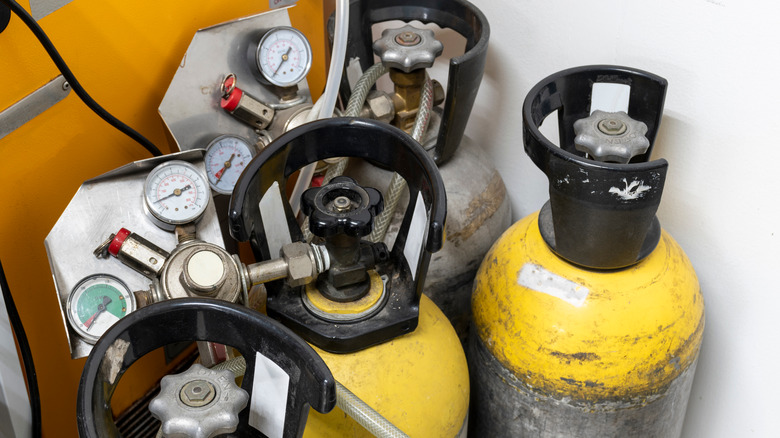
(465, 73)
(600, 215)
(345, 137)
(189, 319)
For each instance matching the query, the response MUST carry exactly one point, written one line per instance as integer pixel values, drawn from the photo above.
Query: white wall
(722, 61)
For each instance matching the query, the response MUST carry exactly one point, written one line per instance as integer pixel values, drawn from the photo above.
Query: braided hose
(366, 416)
(348, 402)
(355, 104)
(398, 184)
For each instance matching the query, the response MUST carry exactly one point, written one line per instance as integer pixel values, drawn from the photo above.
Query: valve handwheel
(191, 319)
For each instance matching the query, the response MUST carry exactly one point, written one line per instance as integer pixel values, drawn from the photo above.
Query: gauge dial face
(284, 56)
(97, 303)
(175, 193)
(226, 157)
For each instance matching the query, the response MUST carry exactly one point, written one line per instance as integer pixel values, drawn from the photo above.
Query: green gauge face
(97, 303)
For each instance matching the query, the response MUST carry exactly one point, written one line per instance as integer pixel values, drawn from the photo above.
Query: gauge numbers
(175, 193)
(97, 303)
(226, 157)
(283, 56)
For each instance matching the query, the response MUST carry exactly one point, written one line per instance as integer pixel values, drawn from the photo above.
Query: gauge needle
(176, 192)
(227, 166)
(101, 308)
(285, 57)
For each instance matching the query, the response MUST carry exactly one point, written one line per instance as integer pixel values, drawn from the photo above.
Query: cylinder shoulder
(590, 333)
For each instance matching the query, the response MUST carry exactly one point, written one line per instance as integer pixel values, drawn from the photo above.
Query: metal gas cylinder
(477, 203)
(588, 317)
(366, 317)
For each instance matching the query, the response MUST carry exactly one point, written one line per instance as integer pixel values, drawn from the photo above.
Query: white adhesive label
(537, 278)
(274, 220)
(354, 72)
(269, 397)
(609, 97)
(416, 236)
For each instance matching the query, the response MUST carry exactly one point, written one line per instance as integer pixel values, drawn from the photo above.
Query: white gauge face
(284, 56)
(176, 193)
(226, 157)
(97, 303)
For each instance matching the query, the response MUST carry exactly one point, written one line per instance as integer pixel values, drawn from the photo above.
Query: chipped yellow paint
(636, 331)
(418, 381)
(349, 308)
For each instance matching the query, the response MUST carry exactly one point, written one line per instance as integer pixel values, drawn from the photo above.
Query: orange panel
(125, 54)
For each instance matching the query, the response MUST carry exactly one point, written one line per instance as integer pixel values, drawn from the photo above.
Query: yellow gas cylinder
(588, 317)
(367, 317)
(419, 382)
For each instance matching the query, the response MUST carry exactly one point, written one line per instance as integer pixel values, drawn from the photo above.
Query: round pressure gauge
(175, 193)
(96, 303)
(226, 157)
(283, 56)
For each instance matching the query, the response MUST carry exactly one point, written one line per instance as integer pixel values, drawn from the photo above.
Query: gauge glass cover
(283, 56)
(226, 157)
(96, 303)
(175, 193)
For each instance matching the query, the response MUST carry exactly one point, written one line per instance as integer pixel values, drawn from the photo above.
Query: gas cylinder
(588, 317)
(366, 316)
(477, 203)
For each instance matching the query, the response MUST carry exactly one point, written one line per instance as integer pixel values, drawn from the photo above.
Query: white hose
(337, 59)
(328, 98)
(347, 401)
(304, 177)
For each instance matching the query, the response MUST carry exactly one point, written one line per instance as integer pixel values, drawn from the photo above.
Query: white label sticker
(274, 220)
(537, 278)
(609, 97)
(269, 397)
(354, 72)
(416, 236)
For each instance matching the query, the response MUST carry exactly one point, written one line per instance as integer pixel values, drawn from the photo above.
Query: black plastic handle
(346, 137)
(191, 319)
(465, 73)
(600, 215)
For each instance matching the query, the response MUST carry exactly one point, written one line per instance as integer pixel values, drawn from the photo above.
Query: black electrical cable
(74, 83)
(27, 359)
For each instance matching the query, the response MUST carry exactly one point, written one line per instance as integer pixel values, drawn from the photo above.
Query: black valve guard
(344, 137)
(193, 319)
(585, 222)
(465, 72)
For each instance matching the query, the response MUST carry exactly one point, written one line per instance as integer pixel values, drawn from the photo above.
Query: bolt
(342, 204)
(408, 39)
(65, 86)
(197, 393)
(612, 126)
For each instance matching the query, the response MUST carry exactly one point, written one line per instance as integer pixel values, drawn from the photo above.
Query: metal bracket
(32, 105)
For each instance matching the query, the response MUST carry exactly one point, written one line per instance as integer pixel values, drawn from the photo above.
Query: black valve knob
(341, 207)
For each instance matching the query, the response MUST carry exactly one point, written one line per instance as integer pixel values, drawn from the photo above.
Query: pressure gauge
(283, 56)
(175, 193)
(96, 303)
(226, 157)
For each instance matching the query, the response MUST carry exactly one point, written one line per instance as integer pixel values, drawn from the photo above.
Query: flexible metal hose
(366, 416)
(398, 184)
(348, 402)
(355, 104)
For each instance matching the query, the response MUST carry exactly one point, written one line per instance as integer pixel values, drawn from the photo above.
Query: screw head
(342, 204)
(408, 39)
(197, 393)
(612, 126)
